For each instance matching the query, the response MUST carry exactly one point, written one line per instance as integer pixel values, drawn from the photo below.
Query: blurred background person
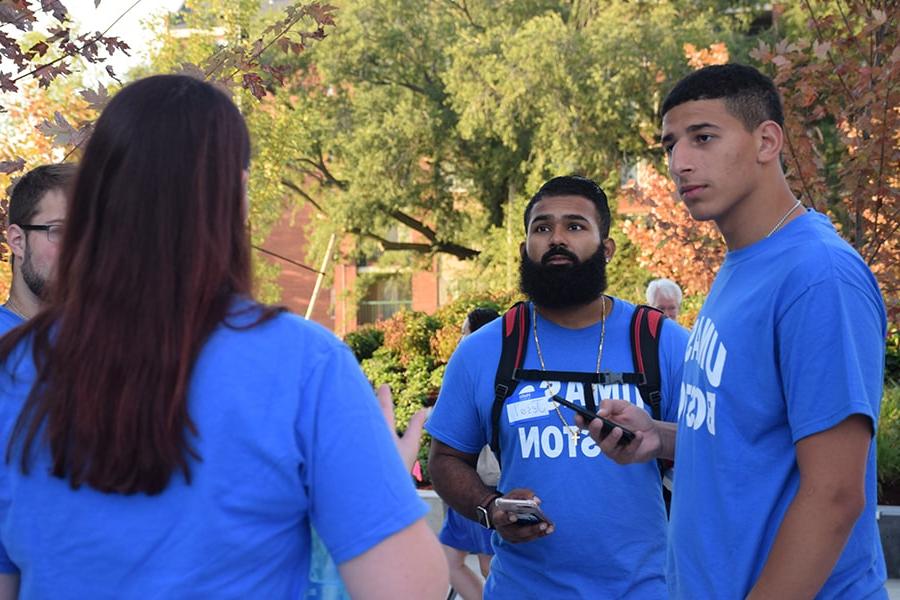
(37, 216)
(665, 295)
(461, 536)
(165, 433)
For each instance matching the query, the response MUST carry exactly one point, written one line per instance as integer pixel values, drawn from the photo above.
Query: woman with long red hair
(168, 436)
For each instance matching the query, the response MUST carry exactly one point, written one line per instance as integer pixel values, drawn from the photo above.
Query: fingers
(386, 402)
(611, 408)
(517, 534)
(509, 526)
(408, 443)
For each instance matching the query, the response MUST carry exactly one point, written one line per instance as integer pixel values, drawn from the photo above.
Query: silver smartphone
(527, 511)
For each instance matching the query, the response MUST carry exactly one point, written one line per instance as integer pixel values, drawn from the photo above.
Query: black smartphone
(627, 434)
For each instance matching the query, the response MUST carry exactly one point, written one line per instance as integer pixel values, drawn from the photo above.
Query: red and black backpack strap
(512, 355)
(646, 323)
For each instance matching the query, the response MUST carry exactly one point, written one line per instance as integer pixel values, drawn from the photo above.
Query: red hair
(155, 252)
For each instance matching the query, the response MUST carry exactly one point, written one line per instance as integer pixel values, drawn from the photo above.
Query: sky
(131, 28)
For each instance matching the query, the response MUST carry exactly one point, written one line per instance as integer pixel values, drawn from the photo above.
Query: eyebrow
(549, 217)
(691, 129)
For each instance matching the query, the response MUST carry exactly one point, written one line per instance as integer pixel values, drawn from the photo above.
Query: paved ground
(893, 588)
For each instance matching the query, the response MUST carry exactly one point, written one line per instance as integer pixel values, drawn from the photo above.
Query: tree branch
(461, 6)
(414, 224)
(302, 193)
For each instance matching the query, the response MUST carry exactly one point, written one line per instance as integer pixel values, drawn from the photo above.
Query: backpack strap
(646, 323)
(512, 355)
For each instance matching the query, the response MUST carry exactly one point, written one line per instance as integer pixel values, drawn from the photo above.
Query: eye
(541, 228)
(576, 226)
(703, 137)
(667, 148)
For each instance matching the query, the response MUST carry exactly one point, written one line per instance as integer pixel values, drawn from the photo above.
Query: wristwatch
(484, 511)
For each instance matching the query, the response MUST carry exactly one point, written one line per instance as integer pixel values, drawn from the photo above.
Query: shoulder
(817, 259)
(813, 251)
(8, 320)
(283, 338)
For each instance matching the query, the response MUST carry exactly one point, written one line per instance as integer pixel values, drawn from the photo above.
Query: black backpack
(646, 323)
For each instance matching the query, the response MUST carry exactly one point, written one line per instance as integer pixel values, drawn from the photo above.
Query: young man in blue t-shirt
(775, 485)
(605, 532)
(37, 214)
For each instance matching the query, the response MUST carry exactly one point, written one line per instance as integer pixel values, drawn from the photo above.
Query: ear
(770, 141)
(609, 248)
(15, 237)
(522, 251)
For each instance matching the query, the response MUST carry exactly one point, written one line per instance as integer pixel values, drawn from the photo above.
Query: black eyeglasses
(54, 232)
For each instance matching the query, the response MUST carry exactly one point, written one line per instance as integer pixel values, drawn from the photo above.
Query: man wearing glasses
(37, 214)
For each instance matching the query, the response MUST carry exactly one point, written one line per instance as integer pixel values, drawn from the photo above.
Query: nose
(557, 236)
(680, 161)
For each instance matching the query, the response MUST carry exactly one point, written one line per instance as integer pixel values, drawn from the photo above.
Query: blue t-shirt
(290, 436)
(610, 520)
(8, 320)
(789, 343)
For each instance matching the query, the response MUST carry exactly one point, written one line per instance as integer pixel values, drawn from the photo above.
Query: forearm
(667, 433)
(808, 544)
(457, 482)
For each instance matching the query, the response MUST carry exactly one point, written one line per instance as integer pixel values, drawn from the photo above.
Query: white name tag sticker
(525, 410)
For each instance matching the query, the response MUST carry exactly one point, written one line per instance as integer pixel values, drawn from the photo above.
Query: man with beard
(37, 214)
(605, 530)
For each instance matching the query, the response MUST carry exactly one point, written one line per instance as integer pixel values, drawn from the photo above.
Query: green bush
(365, 341)
(892, 357)
(410, 351)
(888, 440)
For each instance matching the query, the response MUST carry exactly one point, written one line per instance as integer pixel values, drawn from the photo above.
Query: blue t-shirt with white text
(789, 343)
(610, 520)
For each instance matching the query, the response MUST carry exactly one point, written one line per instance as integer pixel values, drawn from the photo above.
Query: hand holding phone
(608, 426)
(527, 511)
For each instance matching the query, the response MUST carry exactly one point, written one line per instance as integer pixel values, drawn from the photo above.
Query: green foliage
(427, 123)
(365, 341)
(410, 350)
(888, 441)
(892, 356)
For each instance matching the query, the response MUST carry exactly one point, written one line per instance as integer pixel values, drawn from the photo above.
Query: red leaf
(55, 8)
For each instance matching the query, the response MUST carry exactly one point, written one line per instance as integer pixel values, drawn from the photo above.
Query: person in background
(168, 435)
(665, 295)
(37, 216)
(461, 536)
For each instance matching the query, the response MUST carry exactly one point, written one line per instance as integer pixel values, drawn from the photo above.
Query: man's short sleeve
(831, 356)
(455, 420)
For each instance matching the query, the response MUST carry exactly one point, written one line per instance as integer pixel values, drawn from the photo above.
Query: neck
(754, 217)
(578, 317)
(22, 302)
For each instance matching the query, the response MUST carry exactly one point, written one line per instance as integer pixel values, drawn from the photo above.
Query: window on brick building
(386, 296)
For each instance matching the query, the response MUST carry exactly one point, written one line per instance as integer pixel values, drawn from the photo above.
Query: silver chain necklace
(784, 218)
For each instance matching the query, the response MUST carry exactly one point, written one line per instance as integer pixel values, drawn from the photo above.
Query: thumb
(408, 443)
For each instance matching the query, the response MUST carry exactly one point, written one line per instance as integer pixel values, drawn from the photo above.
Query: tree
(27, 55)
(422, 127)
(841, 97)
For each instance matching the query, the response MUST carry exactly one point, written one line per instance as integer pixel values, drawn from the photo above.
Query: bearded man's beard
(563, 286)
